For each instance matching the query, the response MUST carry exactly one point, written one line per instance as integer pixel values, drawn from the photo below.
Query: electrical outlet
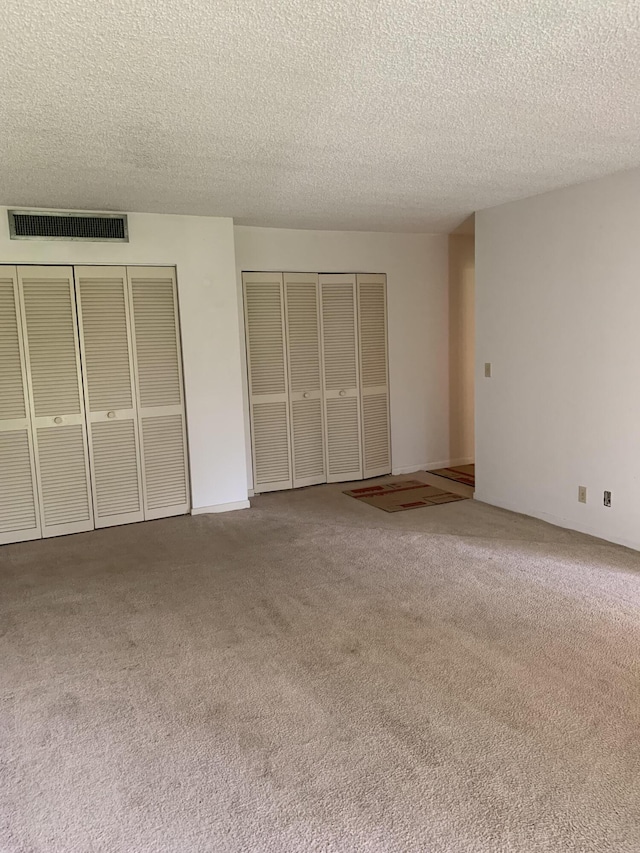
(607, 498)
(582, 494)
(487, 370)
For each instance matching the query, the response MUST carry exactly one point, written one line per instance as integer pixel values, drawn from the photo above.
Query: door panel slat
(106, 348)
(115, 468)
(341, 381)
(305, 378)
(372, 323)
(63, 476)
(159, 390)
(105, 334)
(18, 510)
(343, 431)
(268, 381)
(308, 442)
(55, 398)
(165, 475)
(12, 395)
(158, 363)
(49, 317)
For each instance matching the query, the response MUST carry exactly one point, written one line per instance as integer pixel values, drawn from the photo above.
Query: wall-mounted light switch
(582, 494)
(487, 369)
(607, 498)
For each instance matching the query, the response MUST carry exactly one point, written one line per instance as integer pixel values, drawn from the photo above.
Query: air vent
(37, 225)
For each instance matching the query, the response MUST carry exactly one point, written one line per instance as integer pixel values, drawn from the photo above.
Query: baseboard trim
(425, 466)
(204, 510)
(408, 469)
(557, 521)
(467, 460)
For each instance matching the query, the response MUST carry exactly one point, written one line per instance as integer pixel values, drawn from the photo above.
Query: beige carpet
(315, 675)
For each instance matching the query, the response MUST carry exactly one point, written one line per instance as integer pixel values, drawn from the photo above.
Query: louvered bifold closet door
(374, 382)
(160, 392)
(19, 510)
(302, 314)
(341, 384)
(103, 315)
(268, 384)
(56, 400)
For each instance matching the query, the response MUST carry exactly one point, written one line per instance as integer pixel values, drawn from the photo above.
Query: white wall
(202, 249)
(417, 293)
(558, 315)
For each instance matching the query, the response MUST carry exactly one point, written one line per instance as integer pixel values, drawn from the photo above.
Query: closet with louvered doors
(92, 416)
(54, 383)
(19, 509)
(318, 377)
(110, 399)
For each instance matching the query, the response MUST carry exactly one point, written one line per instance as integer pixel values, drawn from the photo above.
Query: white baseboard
(426, 466)
(203, 510)
(408, 469)
(467, 460)
(558, 521)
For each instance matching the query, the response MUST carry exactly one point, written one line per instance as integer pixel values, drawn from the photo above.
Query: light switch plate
(487, 369)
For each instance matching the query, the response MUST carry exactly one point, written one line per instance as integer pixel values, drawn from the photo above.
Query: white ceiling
(346, 114)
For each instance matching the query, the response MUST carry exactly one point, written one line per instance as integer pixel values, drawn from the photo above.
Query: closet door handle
(111, 414)
(57, 420)
(343, 393)
(306, 395)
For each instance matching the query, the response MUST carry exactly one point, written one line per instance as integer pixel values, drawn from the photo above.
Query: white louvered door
(341, 384)
(374, 383)
(105, 337)
(305, 378)
(160, 393)
(268, 384)
(56, 400)
(19, 510)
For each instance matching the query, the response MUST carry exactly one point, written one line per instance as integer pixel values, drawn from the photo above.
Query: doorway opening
(461, 468)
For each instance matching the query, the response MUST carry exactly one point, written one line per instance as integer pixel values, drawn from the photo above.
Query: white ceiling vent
(45, 225)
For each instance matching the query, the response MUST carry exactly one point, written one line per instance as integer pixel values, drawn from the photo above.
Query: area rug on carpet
(402, 494)
(460, 473)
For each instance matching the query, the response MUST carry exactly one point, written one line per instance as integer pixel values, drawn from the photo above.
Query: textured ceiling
(359, 114)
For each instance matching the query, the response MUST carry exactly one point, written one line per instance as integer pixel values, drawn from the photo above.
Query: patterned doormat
(461, 474)
(402, 494)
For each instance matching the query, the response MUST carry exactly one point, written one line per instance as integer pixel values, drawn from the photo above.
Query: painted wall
(417, 295)
(558, 308)
(202, 249)
(461, 345)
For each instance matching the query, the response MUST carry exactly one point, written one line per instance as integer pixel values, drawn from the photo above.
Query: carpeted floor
(316, 675)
